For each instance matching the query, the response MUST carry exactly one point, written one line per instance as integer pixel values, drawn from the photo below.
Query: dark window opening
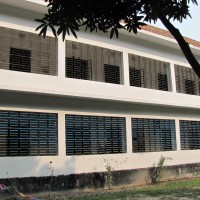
(153, 135)
(28, 134)
(136, 76)
(88, 135)
(20, 60)
(162, 82)
(190, 87)
(77, 68)
(112, 74)
(190, 135)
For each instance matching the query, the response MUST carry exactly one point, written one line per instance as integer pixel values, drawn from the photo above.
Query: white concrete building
(89, 101)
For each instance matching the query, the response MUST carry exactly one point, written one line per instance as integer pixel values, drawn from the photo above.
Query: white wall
(33, 92)
(62, 164)
(59, 85)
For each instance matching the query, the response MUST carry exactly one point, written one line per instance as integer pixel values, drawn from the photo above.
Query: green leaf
(43, 31)
(73, 32)
(53, 30)
(116, 32)
(64, 34)
(40, 20)
(39, 27)
(112, 33)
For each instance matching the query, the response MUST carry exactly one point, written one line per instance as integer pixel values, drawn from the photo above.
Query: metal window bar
(187, 82)
(136, 77)
(88, 135)
(162, 82)
(77, 68)
(99, 60)
(190, 87)
(190, 135)
(20, 60)
(112, 74)
(28, 134)
(43, 51)
(153, 135)
(149, 73)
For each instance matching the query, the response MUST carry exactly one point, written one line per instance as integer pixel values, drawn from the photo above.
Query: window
(151, 135)
(77, 68)
(136, 77)
(87, 135)
(28, 134)
(190, 134)
(112, 74)
(162, 82)
(20, 60)
(149, 73)
(187, 82)
(190, 87)
(98, 63)
(27, 52)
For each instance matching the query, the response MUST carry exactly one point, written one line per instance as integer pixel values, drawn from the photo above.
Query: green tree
(112, 15)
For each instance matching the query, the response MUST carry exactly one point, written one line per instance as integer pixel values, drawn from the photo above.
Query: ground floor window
(151, 135)
(95, 135)
(28, 133)
(190, 134)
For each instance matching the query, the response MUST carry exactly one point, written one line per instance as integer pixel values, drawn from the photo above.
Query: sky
(189, 27)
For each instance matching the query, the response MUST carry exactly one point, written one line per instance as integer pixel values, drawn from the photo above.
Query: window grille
(152, 135)
(187, 81)
(20, 60)
(112, 74)
(190, 87)
(162, 82)
(28, 134)
(136, 77)
(87, 135)
(149, 73)
(77, 68)
(104, 65)
(27, 52)
(190, 134)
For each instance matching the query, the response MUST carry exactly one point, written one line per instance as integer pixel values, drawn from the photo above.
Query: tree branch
(179, 38)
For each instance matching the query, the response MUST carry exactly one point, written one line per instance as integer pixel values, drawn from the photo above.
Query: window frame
(189, 134)
(19, 61)
(78, 68)
(155, 138)
(24, 133)
(112, 74)
(94, 135)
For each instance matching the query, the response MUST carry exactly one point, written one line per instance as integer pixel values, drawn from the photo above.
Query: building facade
(83, 103)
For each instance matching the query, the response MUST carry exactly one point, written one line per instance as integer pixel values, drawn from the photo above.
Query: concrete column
(173, 77)
(61, 134)
(178, 137)
(125, 73)
(61, 58)
(129, 135)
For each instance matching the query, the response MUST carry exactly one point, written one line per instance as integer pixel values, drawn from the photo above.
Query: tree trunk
(179, 38)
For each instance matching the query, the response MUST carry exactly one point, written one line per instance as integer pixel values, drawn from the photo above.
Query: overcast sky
(189, 27)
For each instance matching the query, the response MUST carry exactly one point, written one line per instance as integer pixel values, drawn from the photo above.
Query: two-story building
(87, 102)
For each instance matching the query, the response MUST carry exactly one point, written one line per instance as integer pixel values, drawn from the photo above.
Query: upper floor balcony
(97, 70)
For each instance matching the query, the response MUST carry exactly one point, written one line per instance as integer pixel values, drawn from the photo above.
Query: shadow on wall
(46, 175)
(55, 177)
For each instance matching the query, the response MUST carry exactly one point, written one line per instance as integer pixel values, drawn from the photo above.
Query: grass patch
(170, 190)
